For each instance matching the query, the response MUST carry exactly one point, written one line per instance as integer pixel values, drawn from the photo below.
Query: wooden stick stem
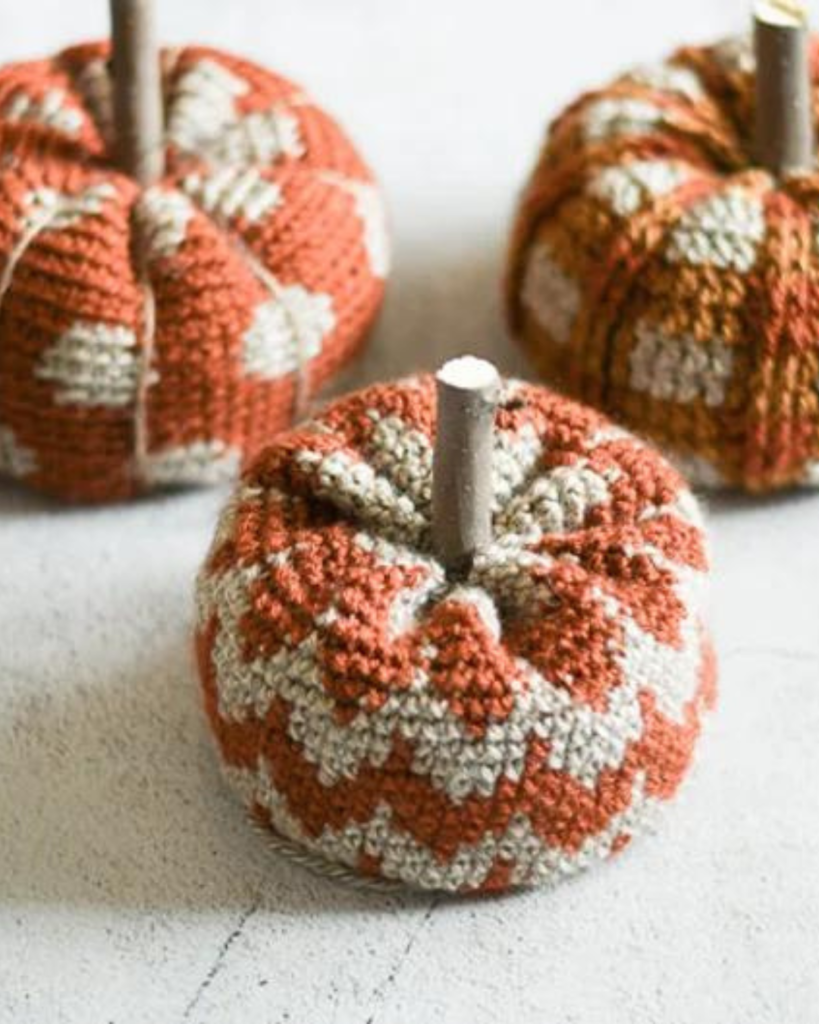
(468, 390)
(784, 116)
(138, 116)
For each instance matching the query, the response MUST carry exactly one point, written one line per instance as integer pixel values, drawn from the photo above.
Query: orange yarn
(157, 337)
(656, 273)
(511, 729)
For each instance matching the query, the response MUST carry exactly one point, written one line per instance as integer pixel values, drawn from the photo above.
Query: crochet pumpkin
(264, 254)
(656, 272)
(508, 729)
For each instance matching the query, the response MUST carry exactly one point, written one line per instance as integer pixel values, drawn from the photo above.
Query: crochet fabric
(156, 337)
(657, 274)
(509, 730)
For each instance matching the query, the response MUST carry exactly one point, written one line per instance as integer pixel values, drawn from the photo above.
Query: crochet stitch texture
(655, 272)
(158, 337)
(510, 729)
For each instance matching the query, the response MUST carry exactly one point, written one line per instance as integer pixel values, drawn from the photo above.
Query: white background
(131, 889)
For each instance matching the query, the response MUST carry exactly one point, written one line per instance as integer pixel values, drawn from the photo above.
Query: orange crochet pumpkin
(157, 337)
(510, 729)
(656, 272)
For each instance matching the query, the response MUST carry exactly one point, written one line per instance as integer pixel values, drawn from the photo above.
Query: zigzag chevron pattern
(510, 730)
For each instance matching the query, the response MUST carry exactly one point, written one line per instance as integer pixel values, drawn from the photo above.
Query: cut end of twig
(784, 132)
(468, 373)
(468, 390)
(782, 13)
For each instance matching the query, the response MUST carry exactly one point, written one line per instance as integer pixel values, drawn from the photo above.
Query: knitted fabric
(158, 336)
(655, 272)
(507, 730)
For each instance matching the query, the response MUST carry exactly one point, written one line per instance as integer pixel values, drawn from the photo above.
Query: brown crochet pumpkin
(657, 273)
(263, 252)
(510, 729)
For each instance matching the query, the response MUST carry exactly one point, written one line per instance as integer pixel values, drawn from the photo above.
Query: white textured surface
(131, 889)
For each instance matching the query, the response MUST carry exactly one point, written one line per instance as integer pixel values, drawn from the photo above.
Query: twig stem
(468, 391)
(784, 110)
(138, 113)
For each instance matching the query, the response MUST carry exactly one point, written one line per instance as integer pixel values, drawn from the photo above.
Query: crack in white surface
(219, 960)
(379, 993)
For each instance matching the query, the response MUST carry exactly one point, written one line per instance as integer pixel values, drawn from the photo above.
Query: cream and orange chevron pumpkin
(659, 274)
(158, 336)
(507, 730)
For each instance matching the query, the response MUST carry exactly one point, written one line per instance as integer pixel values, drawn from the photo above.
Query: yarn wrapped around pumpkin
(157, 337)
(506, 730)
(657, 273)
